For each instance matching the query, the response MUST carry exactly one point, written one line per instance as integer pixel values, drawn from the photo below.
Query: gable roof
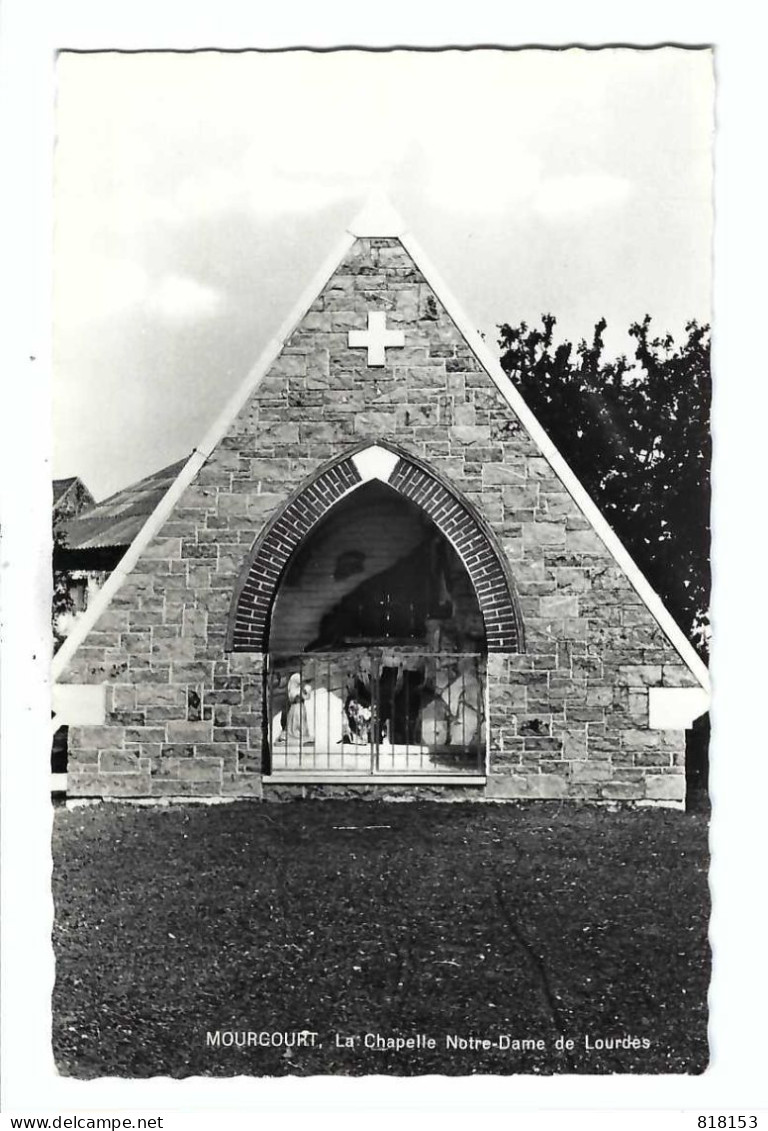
(70, 496)
(60, 488)
(378, 219)
(117, 520)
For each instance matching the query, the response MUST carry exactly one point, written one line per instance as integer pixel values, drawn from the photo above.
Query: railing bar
(300, 718)
(407, 716)
(462, 701)
(270, 701)
(393, 722)
(316, 741)
(375, 705)
(480, 719)
(328, 700)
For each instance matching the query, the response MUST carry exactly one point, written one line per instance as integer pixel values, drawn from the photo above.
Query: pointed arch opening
(375, 570)
(391, 473)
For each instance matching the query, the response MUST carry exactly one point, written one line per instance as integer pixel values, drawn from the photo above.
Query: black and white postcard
(423, 598)
(380, 563)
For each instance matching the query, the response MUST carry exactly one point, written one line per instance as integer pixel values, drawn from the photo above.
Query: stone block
(97, 737)
(583, 542)
(677, 675)
(464, 415)
(114, 619)
(230, 505)
(123, 697)
(571, 579)
(194, 622)
(665, 787)
(191, 733)
(242, 785)
(87, 759)
(646, 675)
(521, 496)
(118, 762)
(145, 734)
(224, 698)
(575, 745)
(199, 672)
(509, 471)
(162, 549)
(387, 395)
(319, 430)
(278, 433)
(375, 423)
(591, 771)
(92, 784)
(173, 787)
(224, 751)
(470, 434)
(417, 415)
(546, 786)
(628, 773)
(653, 757)
(272, 469)
(544, 746)
(558, 606)
(599, 696)
(641, 739)
(127, 718)
(509, 786)
(160, 716)
(180, 648)
(536, 534)
(622, 791)
(557, 503)
(286, 365)
(200, 769)
(247, 662)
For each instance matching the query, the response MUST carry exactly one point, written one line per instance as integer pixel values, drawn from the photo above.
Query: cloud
(99, 287)
(176, 298)
(575, 195)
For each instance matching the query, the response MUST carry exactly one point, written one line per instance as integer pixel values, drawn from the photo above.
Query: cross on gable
(377, 339)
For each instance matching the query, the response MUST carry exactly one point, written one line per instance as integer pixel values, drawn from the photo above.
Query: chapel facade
(376, 576)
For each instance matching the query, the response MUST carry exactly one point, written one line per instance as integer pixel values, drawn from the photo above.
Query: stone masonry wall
(568, 716)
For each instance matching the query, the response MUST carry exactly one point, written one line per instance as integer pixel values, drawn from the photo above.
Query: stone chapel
(376, 576)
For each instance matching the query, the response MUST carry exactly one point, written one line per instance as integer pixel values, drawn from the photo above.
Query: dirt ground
(578, 930)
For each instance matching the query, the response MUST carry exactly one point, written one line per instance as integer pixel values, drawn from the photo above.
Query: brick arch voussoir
(454, 516)
(475, 544)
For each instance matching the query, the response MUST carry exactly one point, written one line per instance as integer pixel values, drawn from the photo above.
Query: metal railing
(377, 710)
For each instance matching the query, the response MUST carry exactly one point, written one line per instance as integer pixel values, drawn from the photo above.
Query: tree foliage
(62, 600)
(636, 433)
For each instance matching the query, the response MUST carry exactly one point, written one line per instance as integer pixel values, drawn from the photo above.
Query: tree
(62, 600)
(636, 433)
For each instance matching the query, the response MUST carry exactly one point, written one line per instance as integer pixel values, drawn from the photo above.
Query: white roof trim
(379, 218)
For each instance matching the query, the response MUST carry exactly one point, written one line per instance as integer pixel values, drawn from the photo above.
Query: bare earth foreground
(356, 921)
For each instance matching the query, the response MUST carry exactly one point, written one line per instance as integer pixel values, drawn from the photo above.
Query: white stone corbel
(78, 704)
(676, 708)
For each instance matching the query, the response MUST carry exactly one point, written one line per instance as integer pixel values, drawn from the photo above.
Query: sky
(197, 194)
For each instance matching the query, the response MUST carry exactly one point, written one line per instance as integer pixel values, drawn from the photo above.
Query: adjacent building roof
(70, 497)
(117, 520)
(60, 488)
